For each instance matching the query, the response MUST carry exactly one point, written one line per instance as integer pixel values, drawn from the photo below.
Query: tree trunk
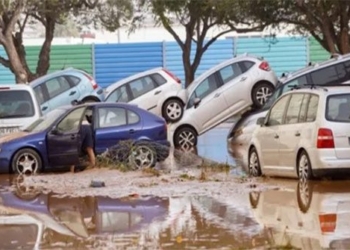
(21, 75)
(44, 56)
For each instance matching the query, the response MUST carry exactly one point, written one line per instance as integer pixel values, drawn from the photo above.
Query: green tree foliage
(16, 14)
(199, 18)
(326, 20)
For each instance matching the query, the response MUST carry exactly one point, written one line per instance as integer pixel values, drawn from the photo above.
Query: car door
(212, 107)
(120, 94)
(144, 93)
(63, 141)
(42, 98)
(60, 92)
(115, 124)
(268, 135)
(234, 85)
(290, 132)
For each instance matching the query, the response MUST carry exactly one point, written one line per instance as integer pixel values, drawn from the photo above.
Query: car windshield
(16, 104)
(45, 121)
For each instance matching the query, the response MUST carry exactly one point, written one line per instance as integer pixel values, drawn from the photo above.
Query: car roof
(325, 90)
(313, 67)
(96, 104)
(219, 66)
(46, 77)
(133, 77)
(19, 86)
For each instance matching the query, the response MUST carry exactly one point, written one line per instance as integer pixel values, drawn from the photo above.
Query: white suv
(223, 91)
(305, 134)
(156, 90)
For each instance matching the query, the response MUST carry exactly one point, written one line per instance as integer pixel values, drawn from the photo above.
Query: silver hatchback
(305, 134)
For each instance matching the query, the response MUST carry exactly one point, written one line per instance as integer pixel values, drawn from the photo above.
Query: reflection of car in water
(305, 215)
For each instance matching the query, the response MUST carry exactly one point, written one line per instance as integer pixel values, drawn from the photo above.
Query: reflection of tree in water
(52, 240)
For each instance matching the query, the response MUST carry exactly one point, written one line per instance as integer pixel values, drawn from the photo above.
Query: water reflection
(48, 220)
(305, 215)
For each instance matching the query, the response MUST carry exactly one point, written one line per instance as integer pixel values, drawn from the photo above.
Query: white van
(18, 107)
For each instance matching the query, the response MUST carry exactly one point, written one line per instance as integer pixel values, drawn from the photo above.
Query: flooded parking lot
(228, 213)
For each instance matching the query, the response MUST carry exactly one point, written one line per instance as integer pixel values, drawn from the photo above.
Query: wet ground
(289, 215)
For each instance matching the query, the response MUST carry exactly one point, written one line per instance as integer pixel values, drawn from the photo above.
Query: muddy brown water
(291, 215)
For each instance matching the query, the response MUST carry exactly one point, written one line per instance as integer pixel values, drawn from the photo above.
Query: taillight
(92, 80)
(325, 138)
(172, 76)
(265, 66)
(328, 222)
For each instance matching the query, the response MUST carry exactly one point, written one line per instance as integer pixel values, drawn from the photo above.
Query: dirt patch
(188, 175)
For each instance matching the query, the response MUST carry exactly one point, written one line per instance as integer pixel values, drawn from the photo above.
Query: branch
(5, 62)
(22, 26)
(14, 18)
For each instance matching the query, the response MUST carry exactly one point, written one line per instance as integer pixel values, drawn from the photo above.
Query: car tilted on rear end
(223, 91)
(305, 134)
(53, 140)
(156, 90)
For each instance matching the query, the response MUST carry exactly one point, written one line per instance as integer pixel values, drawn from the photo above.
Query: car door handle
(157, 92)
(72, 93)
(44, 108)
(297, 134)
(276, 136)
(72, 137)
(131, 131)
(243, 78)
(217, 95)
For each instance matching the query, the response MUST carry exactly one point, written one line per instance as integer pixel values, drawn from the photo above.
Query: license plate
(9, 130)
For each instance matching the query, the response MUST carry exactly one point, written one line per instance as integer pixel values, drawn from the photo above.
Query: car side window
(74, 80)
(302, 80)
(230, 72)
(328, 75)
(160, 80)
(312, 109)
(111, 117)
(206, 87)
(71, 122)
(119, 95)
(293, 110)
(132, 117)
(246, 65)
(57, 86)
(277, 111)
(39, 94)
(303, 108)
(141, 86)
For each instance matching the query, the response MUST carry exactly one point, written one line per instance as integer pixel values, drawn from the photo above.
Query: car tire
(26, 161)
(185, 138)
(173, 110)
(304, 196)
(254, 168)
(304, 167)
(142, 156)
(260, 94)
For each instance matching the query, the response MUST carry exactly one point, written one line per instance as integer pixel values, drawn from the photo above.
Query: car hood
(15, 136)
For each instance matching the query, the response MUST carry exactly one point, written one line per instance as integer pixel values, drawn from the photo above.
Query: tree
(326, 20)
(198, 17)
(16, 14)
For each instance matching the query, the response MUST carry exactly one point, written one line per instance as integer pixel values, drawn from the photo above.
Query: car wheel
(173, 110)
(304, 196)
(304, 167)
(185, 139)
(261, 93)
(254, 163)
(142, 157)
(26, 161)
(24, 191)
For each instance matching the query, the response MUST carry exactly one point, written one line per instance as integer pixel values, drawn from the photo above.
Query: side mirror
(196, 102)
(261, 121)
(55, 131)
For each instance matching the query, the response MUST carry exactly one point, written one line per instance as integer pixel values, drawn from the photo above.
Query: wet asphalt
(311, 215)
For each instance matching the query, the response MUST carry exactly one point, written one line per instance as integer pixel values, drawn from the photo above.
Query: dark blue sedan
(54, 140)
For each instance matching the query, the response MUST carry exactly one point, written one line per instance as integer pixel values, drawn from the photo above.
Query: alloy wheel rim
(143, 157)
(304, 193)
(173, 110)
(303, 168)
(186, 140)
(263, 94)
(27, 164)
(253, 164)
